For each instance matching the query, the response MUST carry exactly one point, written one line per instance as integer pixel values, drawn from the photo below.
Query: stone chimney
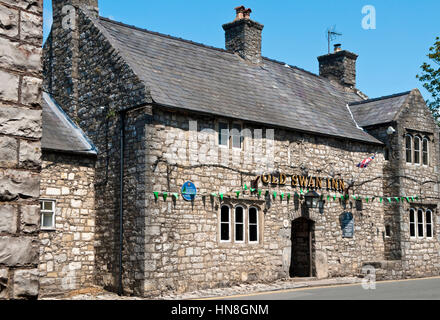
(243, 36)
(339, 66)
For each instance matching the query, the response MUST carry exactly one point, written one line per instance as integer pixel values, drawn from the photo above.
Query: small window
(412, 223)
(239, 224)
(388, 231)
(225, 224)
(387, 154)
(429, 232)
(223, 134)
(425, 151)
(417, 150)
(420, 223)
(253, 226)
(408, 148)
(236, 136)
(47, 214)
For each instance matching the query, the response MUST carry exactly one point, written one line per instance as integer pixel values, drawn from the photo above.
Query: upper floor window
(417, 149)
(417, 143)
(412, 223)
(47, 214)
(408, 140)
(242, 226)
(425, 151)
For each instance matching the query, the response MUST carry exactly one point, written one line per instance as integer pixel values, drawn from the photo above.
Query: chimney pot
(338, 47)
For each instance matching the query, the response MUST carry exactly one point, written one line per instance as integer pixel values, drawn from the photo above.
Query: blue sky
(389, 56)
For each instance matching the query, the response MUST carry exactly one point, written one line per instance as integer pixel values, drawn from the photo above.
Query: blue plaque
(189, 191)
(347, 225)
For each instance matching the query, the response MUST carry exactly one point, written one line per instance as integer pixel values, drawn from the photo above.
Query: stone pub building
(265, 154)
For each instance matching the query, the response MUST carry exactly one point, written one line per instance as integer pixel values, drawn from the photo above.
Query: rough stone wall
(105, 85)
(183, 251)
(244, 37)
(67, 253)
(21, 32)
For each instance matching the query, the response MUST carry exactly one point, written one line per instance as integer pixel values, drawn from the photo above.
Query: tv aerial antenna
(332, 34)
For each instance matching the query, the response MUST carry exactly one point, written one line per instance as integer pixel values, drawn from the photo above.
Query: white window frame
(411, 148)
(431, 224)
(43, 212)
(422, 223)
(243, 224)
(249, 224)
(420, 151)
(229, 224)
(220, 133)
(427, 151)
(415, 223)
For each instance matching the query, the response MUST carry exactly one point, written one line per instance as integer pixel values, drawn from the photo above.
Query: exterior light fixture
(312, 199)
(391, 131)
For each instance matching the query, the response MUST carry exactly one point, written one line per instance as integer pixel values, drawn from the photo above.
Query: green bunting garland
(165, 196)
(176, 196)
(156, 195)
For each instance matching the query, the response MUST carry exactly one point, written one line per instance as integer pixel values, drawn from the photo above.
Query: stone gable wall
(21, 32)
(67, 254)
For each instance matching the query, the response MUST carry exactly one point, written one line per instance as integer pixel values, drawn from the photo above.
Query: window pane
(425, 152)
(47, 220)
(239, 217)
(225, 214)
(428, 216)
(239, 232)
(408, 149)
(223, 134)
(253, 216)
(48, 205)
(420, 223)
(253, 233)
(224, 232)
(416, 150)
(429, 230)
(236, 136)
(388, 231)
(412, 219)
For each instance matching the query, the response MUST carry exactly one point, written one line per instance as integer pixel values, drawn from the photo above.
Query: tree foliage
(431, 79)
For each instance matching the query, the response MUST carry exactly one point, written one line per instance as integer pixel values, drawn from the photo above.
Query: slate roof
(378, 111)
(191, 76)
(60, 133)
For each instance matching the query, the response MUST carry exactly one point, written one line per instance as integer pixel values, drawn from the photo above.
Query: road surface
(420, 289)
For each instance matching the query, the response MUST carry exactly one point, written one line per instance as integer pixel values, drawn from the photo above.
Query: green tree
(431, 79)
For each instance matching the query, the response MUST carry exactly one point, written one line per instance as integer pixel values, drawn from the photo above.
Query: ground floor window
(421, 223)
(47, 214)
(239, 224)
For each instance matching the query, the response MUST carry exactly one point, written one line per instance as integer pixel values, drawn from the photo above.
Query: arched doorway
(302, 264)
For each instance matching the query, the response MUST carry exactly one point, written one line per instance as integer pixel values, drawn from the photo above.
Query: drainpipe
(121, 199)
